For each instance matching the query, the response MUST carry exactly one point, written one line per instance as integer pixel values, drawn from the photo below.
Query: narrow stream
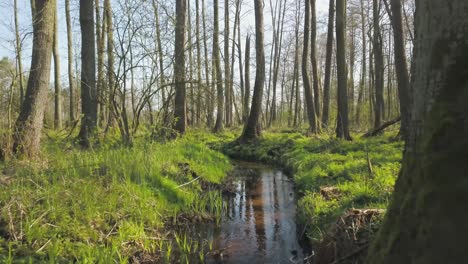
(259, 225)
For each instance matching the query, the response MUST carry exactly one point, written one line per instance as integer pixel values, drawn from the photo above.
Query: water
(259, 225)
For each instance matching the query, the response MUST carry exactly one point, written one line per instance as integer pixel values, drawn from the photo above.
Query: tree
(71, 81)
(88, 72)
(425, 222)
(313, 59)
(227, 71)
(328, 59)
(401, 65)
(180, 107)
(57, 96)
(110, 60)
(18, 48)
(379, 66)
(251, 130)
(29, 124)
(305, 71)
(342, 128)
(247, 80)
(217, 69)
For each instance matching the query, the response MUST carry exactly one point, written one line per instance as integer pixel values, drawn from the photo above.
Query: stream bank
(331, 176)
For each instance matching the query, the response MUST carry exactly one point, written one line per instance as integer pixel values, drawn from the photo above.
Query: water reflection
(260, 225)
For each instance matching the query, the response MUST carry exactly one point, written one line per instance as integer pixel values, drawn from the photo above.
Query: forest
(240, 131)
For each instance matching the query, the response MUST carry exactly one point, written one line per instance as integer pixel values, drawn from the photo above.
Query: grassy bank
(358, 174)
(109, 204)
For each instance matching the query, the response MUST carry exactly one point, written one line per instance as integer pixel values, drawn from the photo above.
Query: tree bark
(110, 62)
(425, 222)
(305, 71)
(247, 79)
(199, 64)
(379, 66)
(71, 79)
(209, 86)
(313, 58)
(19, 50)
(342, 128)
(328, 60)
(27, 136)
(362, 82)
(57, 88)
(180, 110)
(251, 130)
(88, 72)
(227, 69)
(219, 78)
(401, 66)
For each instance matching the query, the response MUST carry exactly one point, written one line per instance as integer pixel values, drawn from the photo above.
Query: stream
(259, 225)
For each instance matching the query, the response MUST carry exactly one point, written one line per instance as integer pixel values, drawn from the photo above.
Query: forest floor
(114, 203)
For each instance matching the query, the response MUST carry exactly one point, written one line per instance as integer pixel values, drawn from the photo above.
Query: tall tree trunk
(241, 68)
(295, 84)
(297, 103)
(88, 73)
(313, 59)
(159, 49)
(191, 106)
(57, 88)
(227, 71)
(305, 71)
(401, 66)
(362, 82)
(251, 130)
(199, 64)
(209, 87)
(27, 136)
(180, 106)
(110, 62)
(219, 78)
(352, 57)
(19, 49)
(342, 128)
(424, 223)
(100, 59)
(379, 66)
(247, 79)
(71, 79)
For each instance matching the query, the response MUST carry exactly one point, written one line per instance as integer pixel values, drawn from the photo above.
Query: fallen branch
(187, 183)
(374, 132)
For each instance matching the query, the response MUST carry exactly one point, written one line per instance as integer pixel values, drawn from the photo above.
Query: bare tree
(247, 79)
(378, 66)
(29, 124)
(313, 59)
(19, 48)
(305, 71)
(251, 129)
(71, 79)
(401, 65)
(180, 111)
(342, 128)
(219, 77)
(88, 72)
(58, 90)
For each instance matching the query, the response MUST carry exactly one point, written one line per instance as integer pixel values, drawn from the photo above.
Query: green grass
(107, 204)
(321, 161)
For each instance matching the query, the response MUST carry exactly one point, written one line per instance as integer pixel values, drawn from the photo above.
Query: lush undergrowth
(358, 174)
(108, 204)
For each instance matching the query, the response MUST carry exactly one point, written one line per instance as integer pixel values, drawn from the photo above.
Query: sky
(7, 24)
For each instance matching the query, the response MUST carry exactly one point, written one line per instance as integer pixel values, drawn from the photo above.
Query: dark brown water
(259, 225)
